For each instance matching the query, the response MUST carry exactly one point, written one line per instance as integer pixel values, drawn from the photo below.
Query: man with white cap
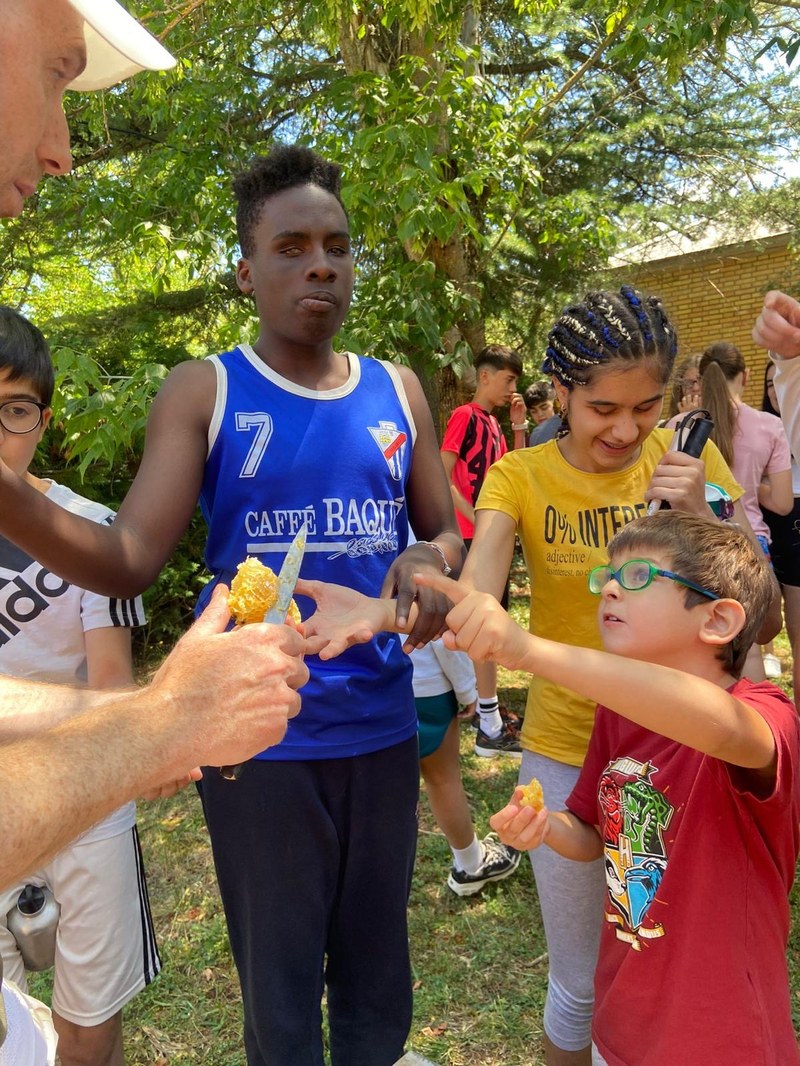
(47, 46)
(117, 46)
(67, 756)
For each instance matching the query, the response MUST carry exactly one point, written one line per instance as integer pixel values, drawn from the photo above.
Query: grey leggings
(571, 900)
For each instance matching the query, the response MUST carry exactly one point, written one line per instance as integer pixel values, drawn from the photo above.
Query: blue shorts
(434, 715)
(765, 547)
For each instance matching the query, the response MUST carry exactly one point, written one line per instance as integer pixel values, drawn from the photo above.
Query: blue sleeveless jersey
(279, 455)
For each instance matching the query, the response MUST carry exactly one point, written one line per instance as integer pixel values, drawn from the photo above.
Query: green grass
(479, 963)
(478, 998)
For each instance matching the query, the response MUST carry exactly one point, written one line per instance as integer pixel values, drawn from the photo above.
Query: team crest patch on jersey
(392, 443)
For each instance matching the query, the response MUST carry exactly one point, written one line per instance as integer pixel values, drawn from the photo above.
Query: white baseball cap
(117, 46)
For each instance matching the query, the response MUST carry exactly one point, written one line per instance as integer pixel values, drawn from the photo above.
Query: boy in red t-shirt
(473, 441)
(690, 791)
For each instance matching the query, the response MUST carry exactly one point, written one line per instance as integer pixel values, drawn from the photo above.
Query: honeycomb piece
(254, 590)
(532, 795)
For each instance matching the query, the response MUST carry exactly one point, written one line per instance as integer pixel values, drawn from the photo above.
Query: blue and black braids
(607, 326)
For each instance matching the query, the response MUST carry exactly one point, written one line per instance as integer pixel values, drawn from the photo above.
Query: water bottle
(33, 921)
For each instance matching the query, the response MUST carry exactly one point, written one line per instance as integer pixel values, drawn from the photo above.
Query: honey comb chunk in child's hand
(532, 795)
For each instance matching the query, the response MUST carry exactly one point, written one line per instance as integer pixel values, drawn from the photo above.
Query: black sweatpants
(314, 862)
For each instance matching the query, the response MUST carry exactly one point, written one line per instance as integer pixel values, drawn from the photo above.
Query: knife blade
(287, 578)
(276, 615)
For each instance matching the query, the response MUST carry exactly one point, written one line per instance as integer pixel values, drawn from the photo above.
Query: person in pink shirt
(754, 445)
(752, 442)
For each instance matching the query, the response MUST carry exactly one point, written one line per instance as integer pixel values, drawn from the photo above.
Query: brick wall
(716, 296)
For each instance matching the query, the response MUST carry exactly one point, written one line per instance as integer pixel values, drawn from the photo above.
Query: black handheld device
(693, 442)
(697, 437)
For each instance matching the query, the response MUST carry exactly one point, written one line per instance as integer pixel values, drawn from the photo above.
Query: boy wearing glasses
(56, 632)
(690, 790)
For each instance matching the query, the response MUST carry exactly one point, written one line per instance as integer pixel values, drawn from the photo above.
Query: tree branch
(573, 80)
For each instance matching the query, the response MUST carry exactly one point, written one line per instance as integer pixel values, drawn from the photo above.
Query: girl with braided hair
(610, 358)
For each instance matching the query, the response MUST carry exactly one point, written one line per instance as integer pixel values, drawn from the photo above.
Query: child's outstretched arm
(524, 828)
(345, 617)
(684, 707)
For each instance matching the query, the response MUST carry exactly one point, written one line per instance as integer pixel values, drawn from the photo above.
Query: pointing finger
(451, 589)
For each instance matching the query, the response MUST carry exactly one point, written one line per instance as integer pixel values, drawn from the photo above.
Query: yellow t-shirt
(565, 518)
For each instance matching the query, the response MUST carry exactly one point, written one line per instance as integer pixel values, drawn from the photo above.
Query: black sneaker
(505, 743)
(499, 861)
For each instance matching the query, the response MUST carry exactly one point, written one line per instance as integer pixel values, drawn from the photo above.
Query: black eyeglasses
(638, 574)
(21, 416)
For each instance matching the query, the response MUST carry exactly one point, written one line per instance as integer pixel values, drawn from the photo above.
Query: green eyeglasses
(638, 574)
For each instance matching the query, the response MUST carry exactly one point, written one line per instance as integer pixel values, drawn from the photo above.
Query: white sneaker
(772, 665)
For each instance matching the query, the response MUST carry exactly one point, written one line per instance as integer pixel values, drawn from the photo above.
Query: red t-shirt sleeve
(780, 809)
(456, 430)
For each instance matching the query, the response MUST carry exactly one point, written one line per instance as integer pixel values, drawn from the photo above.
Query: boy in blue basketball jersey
(314, 844)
